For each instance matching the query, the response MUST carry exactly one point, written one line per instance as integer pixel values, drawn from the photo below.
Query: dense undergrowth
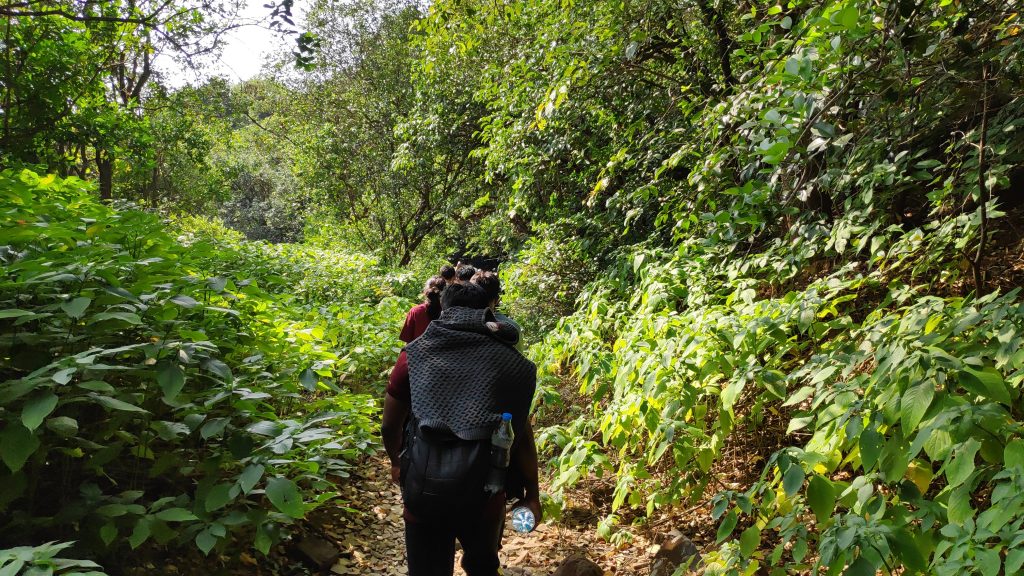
(827, 285)
(194, 390)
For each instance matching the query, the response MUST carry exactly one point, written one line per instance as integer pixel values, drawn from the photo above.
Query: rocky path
(370, 536)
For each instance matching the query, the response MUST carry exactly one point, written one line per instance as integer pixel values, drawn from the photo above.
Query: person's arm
(397, 404)
(526, 458)
(391, 429)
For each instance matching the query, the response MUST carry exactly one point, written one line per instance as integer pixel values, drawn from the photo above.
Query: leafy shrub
(541, 282)
(146, 397)
(43, 560)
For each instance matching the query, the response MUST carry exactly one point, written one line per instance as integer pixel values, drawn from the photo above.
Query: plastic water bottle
(523, 520)
(501, 454)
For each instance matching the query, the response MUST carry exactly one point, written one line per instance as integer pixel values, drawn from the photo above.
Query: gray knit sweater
(462, 377)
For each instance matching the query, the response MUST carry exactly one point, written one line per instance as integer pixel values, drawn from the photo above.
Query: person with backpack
(419, 316)
(446, 397)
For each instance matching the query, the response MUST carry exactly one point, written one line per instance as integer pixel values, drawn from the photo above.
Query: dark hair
(465, 272)
(467, 295)
(447, 272)
(432, 296)
(489, 282)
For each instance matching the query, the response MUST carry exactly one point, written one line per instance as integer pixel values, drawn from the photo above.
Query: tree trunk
(105, 167)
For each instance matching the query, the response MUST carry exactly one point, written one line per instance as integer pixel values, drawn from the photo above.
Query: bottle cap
(506, 416)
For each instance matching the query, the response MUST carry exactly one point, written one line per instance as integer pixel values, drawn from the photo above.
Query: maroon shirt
(416, 322)
(398, 382)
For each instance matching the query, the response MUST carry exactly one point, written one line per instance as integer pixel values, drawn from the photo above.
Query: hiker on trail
(453, 383)
(464, 273)
(419, 316)
(492, 286)
(448, 273)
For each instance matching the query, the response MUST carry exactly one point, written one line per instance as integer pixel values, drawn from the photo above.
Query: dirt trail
(371, 536)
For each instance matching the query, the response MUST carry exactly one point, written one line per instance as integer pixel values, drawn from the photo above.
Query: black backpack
(442, 475)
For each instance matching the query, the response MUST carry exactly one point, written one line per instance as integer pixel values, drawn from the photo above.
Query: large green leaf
(821, 496)
(793, 479)
(171, 379)
(17, 443)
(961, 466)
(37, 408)
(218, 497)
(987, 382)
(914, 404)
(249, 477)
(76, 308)
(750, 539)
(285, 496)
(115, 404)
(175, 515)
(870, 448)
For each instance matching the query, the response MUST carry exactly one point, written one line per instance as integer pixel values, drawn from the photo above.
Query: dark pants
(430, 546)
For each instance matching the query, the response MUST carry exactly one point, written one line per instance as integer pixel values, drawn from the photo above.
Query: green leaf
(308, 379)
(870, 448)
(1014, 560)
(262, 541)
(63, 376)
(206, 541)
(908, 552)
(141, 532)
(284, 495)
(793, 479)
(821, 496)
(987, 560)
(938, 445)
(108, 533)
(914, 404)
(128, 317)
(171, 379)
(249, 477)
(958, 509)
(15, 313)
(217, 497)
(847, 17)
(1013, 454)
(75, 308)
(175, 515)
(184, 301)
(987, 382)
(213, 427)
(14, 568)
(750, 539)
(219, 368)
(37, 408)
(112, 510)
(17, 443)
(961, 466)
(63, 426)
(727, 525)
(860, 567)
(115, 404)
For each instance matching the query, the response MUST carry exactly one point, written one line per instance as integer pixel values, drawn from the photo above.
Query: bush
(147, 395)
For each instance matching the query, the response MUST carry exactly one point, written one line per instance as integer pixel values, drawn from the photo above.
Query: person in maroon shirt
(430, 547)
(417, 319)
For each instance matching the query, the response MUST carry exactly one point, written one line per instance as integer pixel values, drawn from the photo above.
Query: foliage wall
(167, 390)
(805, 217)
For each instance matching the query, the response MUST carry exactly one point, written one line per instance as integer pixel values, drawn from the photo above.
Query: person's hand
(396, 474)
(533, 503)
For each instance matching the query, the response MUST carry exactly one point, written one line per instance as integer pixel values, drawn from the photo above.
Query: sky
(245, 50)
